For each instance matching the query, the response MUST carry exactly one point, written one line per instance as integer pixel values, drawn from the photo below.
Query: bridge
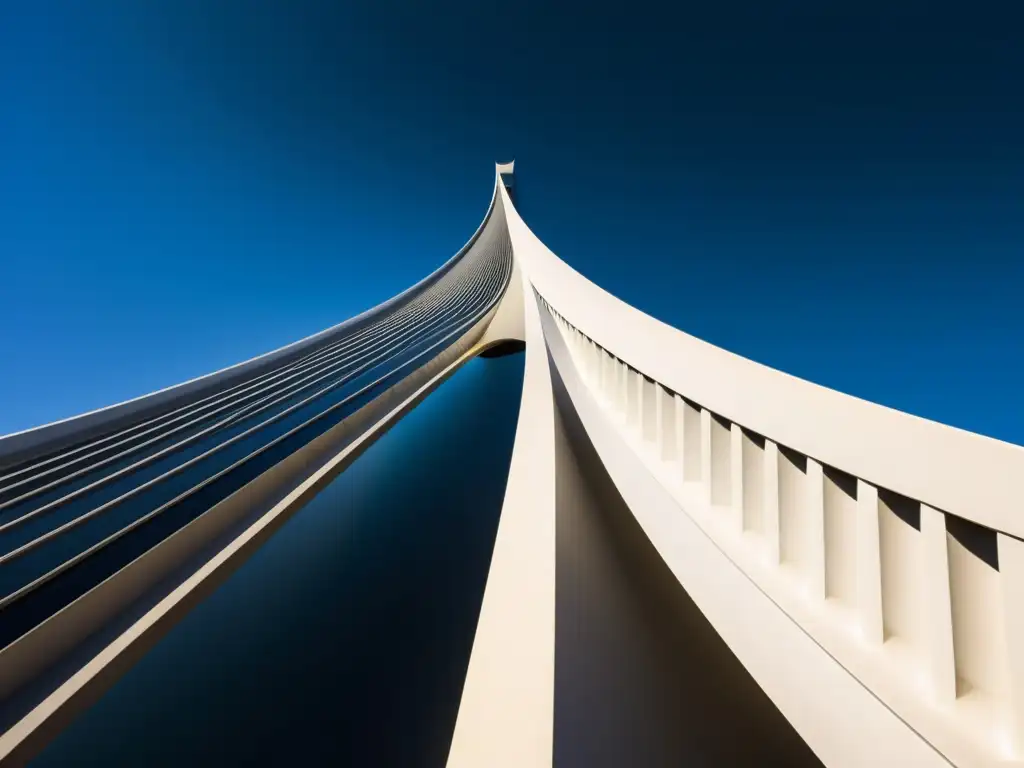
(861, 570)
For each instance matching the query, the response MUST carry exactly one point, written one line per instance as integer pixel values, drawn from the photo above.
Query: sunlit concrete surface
(641, 678)
(698, 559)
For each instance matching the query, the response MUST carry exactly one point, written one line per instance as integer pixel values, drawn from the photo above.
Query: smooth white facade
(863, 564)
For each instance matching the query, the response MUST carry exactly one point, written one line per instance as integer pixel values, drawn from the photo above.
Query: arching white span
(59, 648)
(864, 565)
(30, 443)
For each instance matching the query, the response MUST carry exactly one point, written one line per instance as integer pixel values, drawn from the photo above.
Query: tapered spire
(506, 172)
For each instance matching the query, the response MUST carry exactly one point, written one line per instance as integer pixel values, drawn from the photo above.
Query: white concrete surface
(882, 545)
(864, 565)
(507, 708)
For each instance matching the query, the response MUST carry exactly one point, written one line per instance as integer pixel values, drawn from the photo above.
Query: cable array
(70, 519)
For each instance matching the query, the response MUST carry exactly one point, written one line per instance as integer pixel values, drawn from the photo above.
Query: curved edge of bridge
(278, 494)
(29, 443)
(863, 564)
(506, 714)
(50, 674)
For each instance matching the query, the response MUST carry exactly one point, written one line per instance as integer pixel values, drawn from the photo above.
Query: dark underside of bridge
(641, 678)
(510, 347)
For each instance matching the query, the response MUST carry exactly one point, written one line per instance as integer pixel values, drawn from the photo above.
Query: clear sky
(834, 189)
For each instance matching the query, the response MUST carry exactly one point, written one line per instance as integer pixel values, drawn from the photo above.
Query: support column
(720, 480)
(1011, 576)
(624, 383)
(620, 388)
(815, 519)
(705, 453)
(770, 510)
(682, 447)
(753, 488)
(649, 413)
(634, 402)
(506, 711)
(666, 425)
(938, 614)
(869, 564)
(607, 377)
(736, 481)
(693, 461)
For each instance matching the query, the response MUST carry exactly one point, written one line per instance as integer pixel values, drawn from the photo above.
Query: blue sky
(836, 192)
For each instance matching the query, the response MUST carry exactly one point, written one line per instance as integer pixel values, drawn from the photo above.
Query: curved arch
(268, 446)
(861, 546)
(28, 444)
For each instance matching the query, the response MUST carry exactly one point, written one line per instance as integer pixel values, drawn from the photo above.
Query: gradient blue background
(834, 189)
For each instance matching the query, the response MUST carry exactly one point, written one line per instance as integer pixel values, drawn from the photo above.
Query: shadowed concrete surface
(511, 347)
(641, 677)
(345, 639)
